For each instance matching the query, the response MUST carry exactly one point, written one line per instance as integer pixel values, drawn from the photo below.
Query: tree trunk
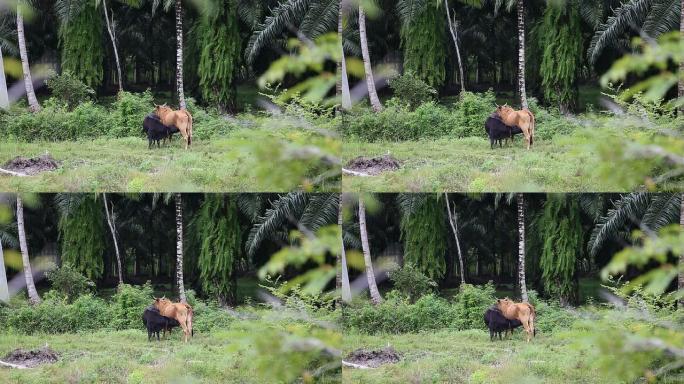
(4, 290)
(343, 273)
(521, 54)
(680, 282)
(179, 54)
(4, 99)
(343, 80)
(454, 229)
(34, 106)
(372, 93)
(28, 274)
(521, 247)
(372, 286)
(112, 229)
(110, 29)
(453, 30)
(179, 248)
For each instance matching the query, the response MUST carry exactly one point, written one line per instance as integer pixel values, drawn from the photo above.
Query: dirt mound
(373, 165)
(32, 358)
(33, 165)
(373, 358)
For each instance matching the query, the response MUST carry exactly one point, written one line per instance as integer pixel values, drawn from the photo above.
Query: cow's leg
(182, 319)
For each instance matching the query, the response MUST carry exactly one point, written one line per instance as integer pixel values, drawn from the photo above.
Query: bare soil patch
(373, 165)
(32, 165)
(363, 358)
(32, 358)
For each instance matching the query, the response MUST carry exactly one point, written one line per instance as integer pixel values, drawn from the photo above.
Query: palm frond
(628, 15)
(409, 9)
(409, 203)
(286, 14)
(286, 207)
(321, 210)
(322, 17)
(663, 211)
(628, 209)
(663, 17)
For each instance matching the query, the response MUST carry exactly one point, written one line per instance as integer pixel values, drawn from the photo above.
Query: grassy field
(125, 164)
(448, 356)
(470, 165)
(249, 351)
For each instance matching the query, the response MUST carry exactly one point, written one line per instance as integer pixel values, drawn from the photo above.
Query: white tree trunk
(4, 99)
(34, 106)
(112, 229)
(179, 248)
(370, 81)
(521, 247)
(110, 29)
(454, 37)
(179, 54)
(28, 274)
(521, 54)
(342, 262)
(454, 229)
(370, 274)
(4, 290)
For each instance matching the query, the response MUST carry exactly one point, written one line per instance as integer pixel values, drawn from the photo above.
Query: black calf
(497, 130)
(155, 322)
(156, 131)
(497, 323)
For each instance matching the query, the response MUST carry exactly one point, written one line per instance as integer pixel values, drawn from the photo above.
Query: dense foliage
(81, 40)
(82, 231)
(423, 232)
(425, 46)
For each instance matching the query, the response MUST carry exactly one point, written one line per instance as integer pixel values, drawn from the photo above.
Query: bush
(129, 112)
(129, 304)
(208, 317)
(69, 89)
(410, 89)
(411, 282)
(471, 112)
(552, 317)
(56, 315)
(428, 121)
(470, 303)
(68, 282)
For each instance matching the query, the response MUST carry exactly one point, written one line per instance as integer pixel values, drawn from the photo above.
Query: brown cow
(523, 312)
(182, 312)
(180, 119)
(523, 119)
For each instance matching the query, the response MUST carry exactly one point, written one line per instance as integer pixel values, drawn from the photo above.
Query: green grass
(469, 357)
(248, 351)
(222, 164)
(470, 165)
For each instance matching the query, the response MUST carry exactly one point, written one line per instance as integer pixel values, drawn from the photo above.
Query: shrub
(470, 303)
(129, 304)
(69, 89)
(68, 282)
(129, 112)
(411, 282)
(552, 317)
(56, 315)
(410, 89)
(471, 112)
(208, 317)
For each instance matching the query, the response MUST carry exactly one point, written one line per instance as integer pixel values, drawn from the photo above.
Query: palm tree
(179, 247)
(645, 210)
(370, 274)
(370, 82)
(34, 298)
(4, 291)
(112, 229)
(179, 74)
(521, 246)
(34, 105)
(311, 211)
(343, 272)
(651, 17)
(521, 66)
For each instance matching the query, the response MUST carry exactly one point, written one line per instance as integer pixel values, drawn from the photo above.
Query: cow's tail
(532, 124)
(189, 127)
